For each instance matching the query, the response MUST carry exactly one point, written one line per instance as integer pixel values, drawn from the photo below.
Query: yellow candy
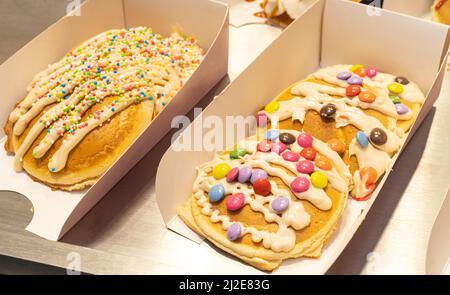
(319, 180)
(272, 107)
(221, 170)
(395, 88)
(355, 67)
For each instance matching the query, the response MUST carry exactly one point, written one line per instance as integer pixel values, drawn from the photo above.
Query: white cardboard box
(329, 32)
(55, 212)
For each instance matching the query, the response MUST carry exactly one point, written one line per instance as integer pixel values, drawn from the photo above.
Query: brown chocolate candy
(378, 136)
(328, 111)
(402, 80)
(287, 138)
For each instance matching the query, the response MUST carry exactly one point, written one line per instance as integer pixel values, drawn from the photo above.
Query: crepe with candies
(362, 114)
(265, 201)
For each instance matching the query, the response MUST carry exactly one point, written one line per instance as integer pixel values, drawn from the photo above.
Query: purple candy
(258, 174)
(401, 109)
(355, 80)
(280, 204)
(344, 75)
(244, 174)
(234, 231)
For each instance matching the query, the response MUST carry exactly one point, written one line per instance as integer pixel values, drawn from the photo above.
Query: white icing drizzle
(296, 109)
(294, 218)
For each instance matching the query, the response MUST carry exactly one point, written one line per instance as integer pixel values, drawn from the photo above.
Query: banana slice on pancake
(266, 201)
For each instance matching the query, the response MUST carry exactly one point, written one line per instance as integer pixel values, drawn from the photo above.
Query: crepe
(337, 130)
(441, 11)
(84, 111)
(267, 236)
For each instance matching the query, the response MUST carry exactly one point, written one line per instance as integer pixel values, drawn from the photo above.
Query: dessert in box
(441, 11)
(82, 113)
(280, 194)
(333, 112)
(119, 73)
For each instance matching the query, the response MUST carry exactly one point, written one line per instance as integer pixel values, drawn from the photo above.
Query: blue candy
(362, 139)
(272, 135)
(216, 193)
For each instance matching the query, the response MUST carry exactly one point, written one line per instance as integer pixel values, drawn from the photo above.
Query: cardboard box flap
(350, 36)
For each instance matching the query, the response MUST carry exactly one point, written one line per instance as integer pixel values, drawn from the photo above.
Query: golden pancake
(441, 11)
(84, 111)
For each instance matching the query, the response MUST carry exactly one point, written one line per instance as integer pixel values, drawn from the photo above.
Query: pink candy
(235, 202)
(233, 174)
(300, 185)
(305, 140)
(305, 167)
(261, 119)
(278, 147)
(291, 156)
(371, 72)
(264, 146)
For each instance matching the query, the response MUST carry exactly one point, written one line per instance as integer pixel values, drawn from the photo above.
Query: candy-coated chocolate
(244, 174)
(352, 90)
(336, 145)
(300, 185)
(237, 153)
(328, 111)
(272, 107)
(367, 96)
(355, 80)
(278, 147)
(355, 67)
(216, 193)
(401, 109)
(221, 170)
(369, 175)
(308, 154)
(362, 139)
(360, 72)
(305, 140)
(323, 163)
(258, 174)
(305, 167)
(261, 119)
(280, 204)
(395, 99)
(291, 156)
(272, 135)
(233, 174)
(287, 138)
(378, 136)
(319, 179)
(395, 88)
(234, 231)
(402, 80)
(369, 190)
(264, 146)
(371, 72)
(235, 202)
(344, 76)
(262, 187)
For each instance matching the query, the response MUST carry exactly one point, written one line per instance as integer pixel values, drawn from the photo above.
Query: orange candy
(360, 72)
(369, 174)
(367, 96)
(308, 154)
(352, 90)
(323, 163)
(336, 145)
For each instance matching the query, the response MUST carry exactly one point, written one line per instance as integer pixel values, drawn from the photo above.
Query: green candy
(395, 99)
(237, 153)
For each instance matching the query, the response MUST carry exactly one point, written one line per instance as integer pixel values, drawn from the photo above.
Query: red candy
(352, 90)
(308, 154)
(264, 146)
(262, 187)
(370, 188)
